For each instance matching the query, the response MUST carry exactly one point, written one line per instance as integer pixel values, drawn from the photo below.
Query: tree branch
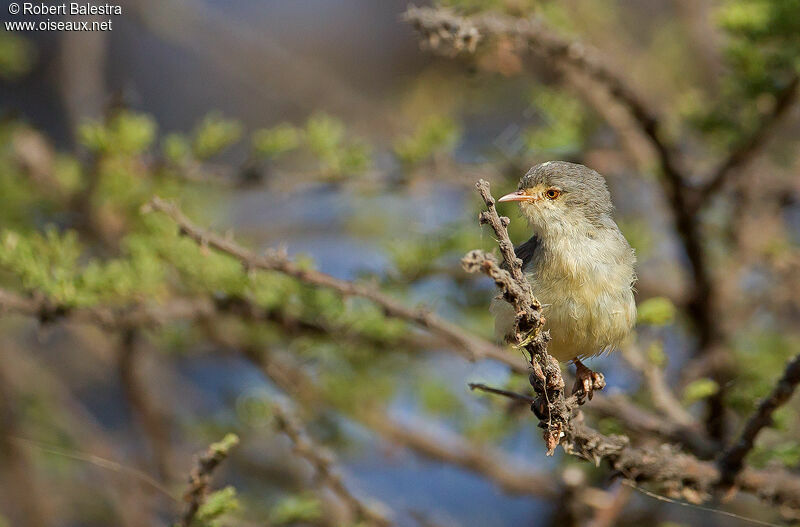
(732, 460)
(752, 145)
(200, 478)
(470, 346)
(322, 461)
(552, 408)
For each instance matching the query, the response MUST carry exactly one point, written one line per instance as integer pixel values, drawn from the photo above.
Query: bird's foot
(586, 381)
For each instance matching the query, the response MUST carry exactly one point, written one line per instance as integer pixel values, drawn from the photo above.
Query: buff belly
(588, 310)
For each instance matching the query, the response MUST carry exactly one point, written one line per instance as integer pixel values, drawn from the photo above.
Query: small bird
(578, 263)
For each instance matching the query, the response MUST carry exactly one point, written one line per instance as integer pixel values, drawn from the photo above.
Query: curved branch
(732, 460)
(752, 145)
(322, 461)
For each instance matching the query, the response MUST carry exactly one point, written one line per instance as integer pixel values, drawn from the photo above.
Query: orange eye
(552, 193)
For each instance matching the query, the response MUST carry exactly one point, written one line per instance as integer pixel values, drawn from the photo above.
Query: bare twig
(324, 466)
(732, 460)
(505, 393)
(663, 398)
(200, 477)
(471, 346)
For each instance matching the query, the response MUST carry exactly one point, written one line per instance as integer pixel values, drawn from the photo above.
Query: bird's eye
(552, 193)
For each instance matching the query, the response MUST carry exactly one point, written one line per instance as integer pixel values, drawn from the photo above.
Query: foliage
(294, 509)
(698, 390)
(762, 50)
(16, 56)
(271, 143)
(564, 125)
(218, 504)
(338, 156)
(656, 311)
(435, 135)
(213, 135)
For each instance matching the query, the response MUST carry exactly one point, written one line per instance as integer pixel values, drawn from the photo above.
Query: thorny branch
(200, 477)
(545, 377)
(323, 463)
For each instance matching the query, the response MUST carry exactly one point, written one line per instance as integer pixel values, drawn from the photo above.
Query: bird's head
(560, 198)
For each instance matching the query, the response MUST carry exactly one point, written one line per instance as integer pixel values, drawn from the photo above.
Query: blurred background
(324, 128)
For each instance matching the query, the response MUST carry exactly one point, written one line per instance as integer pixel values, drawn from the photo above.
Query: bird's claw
(586, 382)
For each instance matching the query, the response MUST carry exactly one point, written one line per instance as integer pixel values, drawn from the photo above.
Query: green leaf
(213, 135)
(655, 354)
(295, 509)
(177, 148)
(699, 389)
(217, 504)
(271, 143)
(656, 311)
(223, 446)
(436, 134)
(16, 56)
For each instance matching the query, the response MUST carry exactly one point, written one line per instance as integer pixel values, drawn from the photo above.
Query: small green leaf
(699, 389)
(214, 134)
(656, 311)
(655, 354)
(273, 142)
(227, 442)
(295, 509)
(217, 504)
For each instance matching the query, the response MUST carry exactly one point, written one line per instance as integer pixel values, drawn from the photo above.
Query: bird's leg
(586, 381)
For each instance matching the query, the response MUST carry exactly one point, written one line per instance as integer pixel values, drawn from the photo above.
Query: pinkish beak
(517, 196)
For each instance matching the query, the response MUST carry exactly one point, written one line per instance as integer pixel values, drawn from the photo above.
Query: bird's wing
(526, 251)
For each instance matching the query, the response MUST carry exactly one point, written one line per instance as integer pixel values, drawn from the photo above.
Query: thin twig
(751, 145)
(324, 466)
(200, 477)
(732, 460)
(505, 393)
(663, 398)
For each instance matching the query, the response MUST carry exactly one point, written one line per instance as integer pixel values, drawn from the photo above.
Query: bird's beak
(517, 196)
